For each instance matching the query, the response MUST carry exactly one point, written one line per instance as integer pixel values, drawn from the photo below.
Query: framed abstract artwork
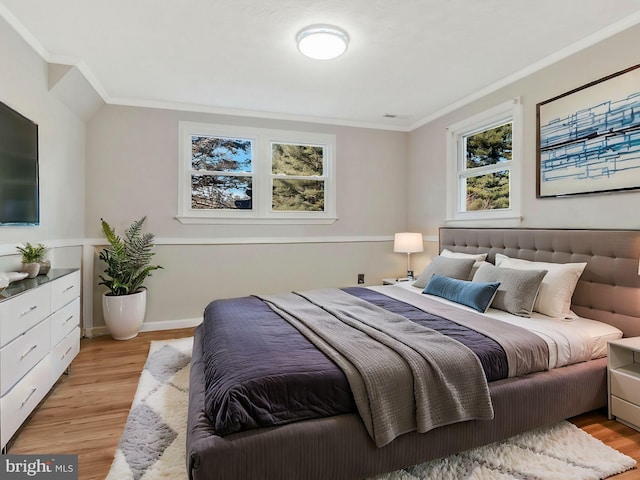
(588, 139)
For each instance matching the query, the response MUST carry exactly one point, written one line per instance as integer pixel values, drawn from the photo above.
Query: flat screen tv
(19, 194)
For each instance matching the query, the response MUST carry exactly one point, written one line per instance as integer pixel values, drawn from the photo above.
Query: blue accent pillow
(477, 295)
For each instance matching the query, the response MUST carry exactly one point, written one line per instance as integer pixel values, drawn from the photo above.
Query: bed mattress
(556, 332)
(340, 448)
(262, 372)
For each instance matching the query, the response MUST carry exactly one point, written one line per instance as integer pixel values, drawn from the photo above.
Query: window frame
(457, 172)
(262, 176)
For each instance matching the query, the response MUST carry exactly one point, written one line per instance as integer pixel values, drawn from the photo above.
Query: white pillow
(556, 289)
(478, 257)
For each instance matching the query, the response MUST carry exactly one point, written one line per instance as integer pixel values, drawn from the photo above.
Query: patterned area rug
(152, 446)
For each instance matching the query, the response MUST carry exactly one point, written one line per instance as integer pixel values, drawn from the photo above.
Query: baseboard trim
(149, 326)
(171, 324)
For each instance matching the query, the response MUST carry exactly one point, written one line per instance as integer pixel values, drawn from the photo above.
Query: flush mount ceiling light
(322, 42)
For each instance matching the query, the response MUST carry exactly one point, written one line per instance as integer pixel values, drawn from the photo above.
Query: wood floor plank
(85, 413)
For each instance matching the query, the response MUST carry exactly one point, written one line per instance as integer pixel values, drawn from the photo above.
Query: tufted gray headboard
(609, 288)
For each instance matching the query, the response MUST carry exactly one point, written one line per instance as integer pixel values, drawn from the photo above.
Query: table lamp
(406, 242)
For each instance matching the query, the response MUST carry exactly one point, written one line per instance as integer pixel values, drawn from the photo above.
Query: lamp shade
(407, 242)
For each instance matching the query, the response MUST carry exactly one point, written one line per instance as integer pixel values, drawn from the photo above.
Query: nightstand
(623, 375)
(394, 281)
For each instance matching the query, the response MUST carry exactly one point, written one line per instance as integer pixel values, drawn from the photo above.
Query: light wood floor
(86, 411)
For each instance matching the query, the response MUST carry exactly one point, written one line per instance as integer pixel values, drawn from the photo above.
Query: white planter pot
(124, 314)
(31, 269)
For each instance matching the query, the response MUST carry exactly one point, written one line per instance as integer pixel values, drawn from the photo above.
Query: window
(221, 173)
(250, 175)
(297, 177)
(484, 158)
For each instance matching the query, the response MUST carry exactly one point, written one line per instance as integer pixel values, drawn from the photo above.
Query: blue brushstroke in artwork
(592, 143)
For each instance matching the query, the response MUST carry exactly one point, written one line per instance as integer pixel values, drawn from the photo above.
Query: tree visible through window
(235, 174)
(484, 160)
(297, 183)
(221, 177)
(493, 147)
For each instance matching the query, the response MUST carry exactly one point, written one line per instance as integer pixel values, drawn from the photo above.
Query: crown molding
(32, 41)
(189, 107)
(576, 47)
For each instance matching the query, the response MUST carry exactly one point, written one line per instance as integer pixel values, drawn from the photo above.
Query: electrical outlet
(360, 278)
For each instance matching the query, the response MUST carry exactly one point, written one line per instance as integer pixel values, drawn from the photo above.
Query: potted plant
(128, 263)
(31, 258)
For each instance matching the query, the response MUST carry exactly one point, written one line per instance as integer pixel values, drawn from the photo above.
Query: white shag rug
(152, 446)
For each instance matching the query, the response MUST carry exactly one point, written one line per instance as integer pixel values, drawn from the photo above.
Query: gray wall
(427, 148)
(132, 168)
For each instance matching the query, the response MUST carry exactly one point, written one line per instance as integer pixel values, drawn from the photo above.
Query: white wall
(427, 148)
(132, 166)
(24, 87)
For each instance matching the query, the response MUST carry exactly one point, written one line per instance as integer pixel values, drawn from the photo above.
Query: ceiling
(415, 59)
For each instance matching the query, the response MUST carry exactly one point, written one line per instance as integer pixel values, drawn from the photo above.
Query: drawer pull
(67, 320)
(31, 309)
(66, 353)
(68, 288)
(24, 402)
(33, 347)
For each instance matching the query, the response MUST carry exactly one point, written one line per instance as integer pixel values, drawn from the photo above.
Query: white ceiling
(412, 58)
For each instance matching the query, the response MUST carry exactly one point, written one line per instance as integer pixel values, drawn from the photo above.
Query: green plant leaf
(31, 253)
(127, 258)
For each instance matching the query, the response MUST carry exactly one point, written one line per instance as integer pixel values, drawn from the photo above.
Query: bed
(340, 447)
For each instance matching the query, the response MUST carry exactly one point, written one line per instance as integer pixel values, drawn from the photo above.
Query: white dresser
(39, 337)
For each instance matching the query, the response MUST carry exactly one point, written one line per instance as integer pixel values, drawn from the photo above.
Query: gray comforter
(404, 376)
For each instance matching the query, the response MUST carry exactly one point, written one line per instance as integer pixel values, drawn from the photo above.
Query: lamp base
(410, 275)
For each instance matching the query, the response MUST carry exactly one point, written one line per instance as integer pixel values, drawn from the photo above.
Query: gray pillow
(518, 288)
(447, 267)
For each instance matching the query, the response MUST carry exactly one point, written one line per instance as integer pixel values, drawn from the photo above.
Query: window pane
(488, 147)
(488, 192)
(216, 192)
(298, 195)
(301, 160)
(218, 154)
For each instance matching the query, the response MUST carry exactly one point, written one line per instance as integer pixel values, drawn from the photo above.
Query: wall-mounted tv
(19, 193)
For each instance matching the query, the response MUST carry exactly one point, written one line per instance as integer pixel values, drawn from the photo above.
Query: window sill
(188, 220)
(510, 218)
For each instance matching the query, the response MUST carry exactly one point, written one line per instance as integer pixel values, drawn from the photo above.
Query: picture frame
(588, 139)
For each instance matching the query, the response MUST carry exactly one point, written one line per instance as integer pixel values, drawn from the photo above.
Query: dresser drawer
(625, 385)
(23, 312)
(64, 289)
(23, 353)
(16, 405)
(64, 320)
(625, 411)
(64, 353)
